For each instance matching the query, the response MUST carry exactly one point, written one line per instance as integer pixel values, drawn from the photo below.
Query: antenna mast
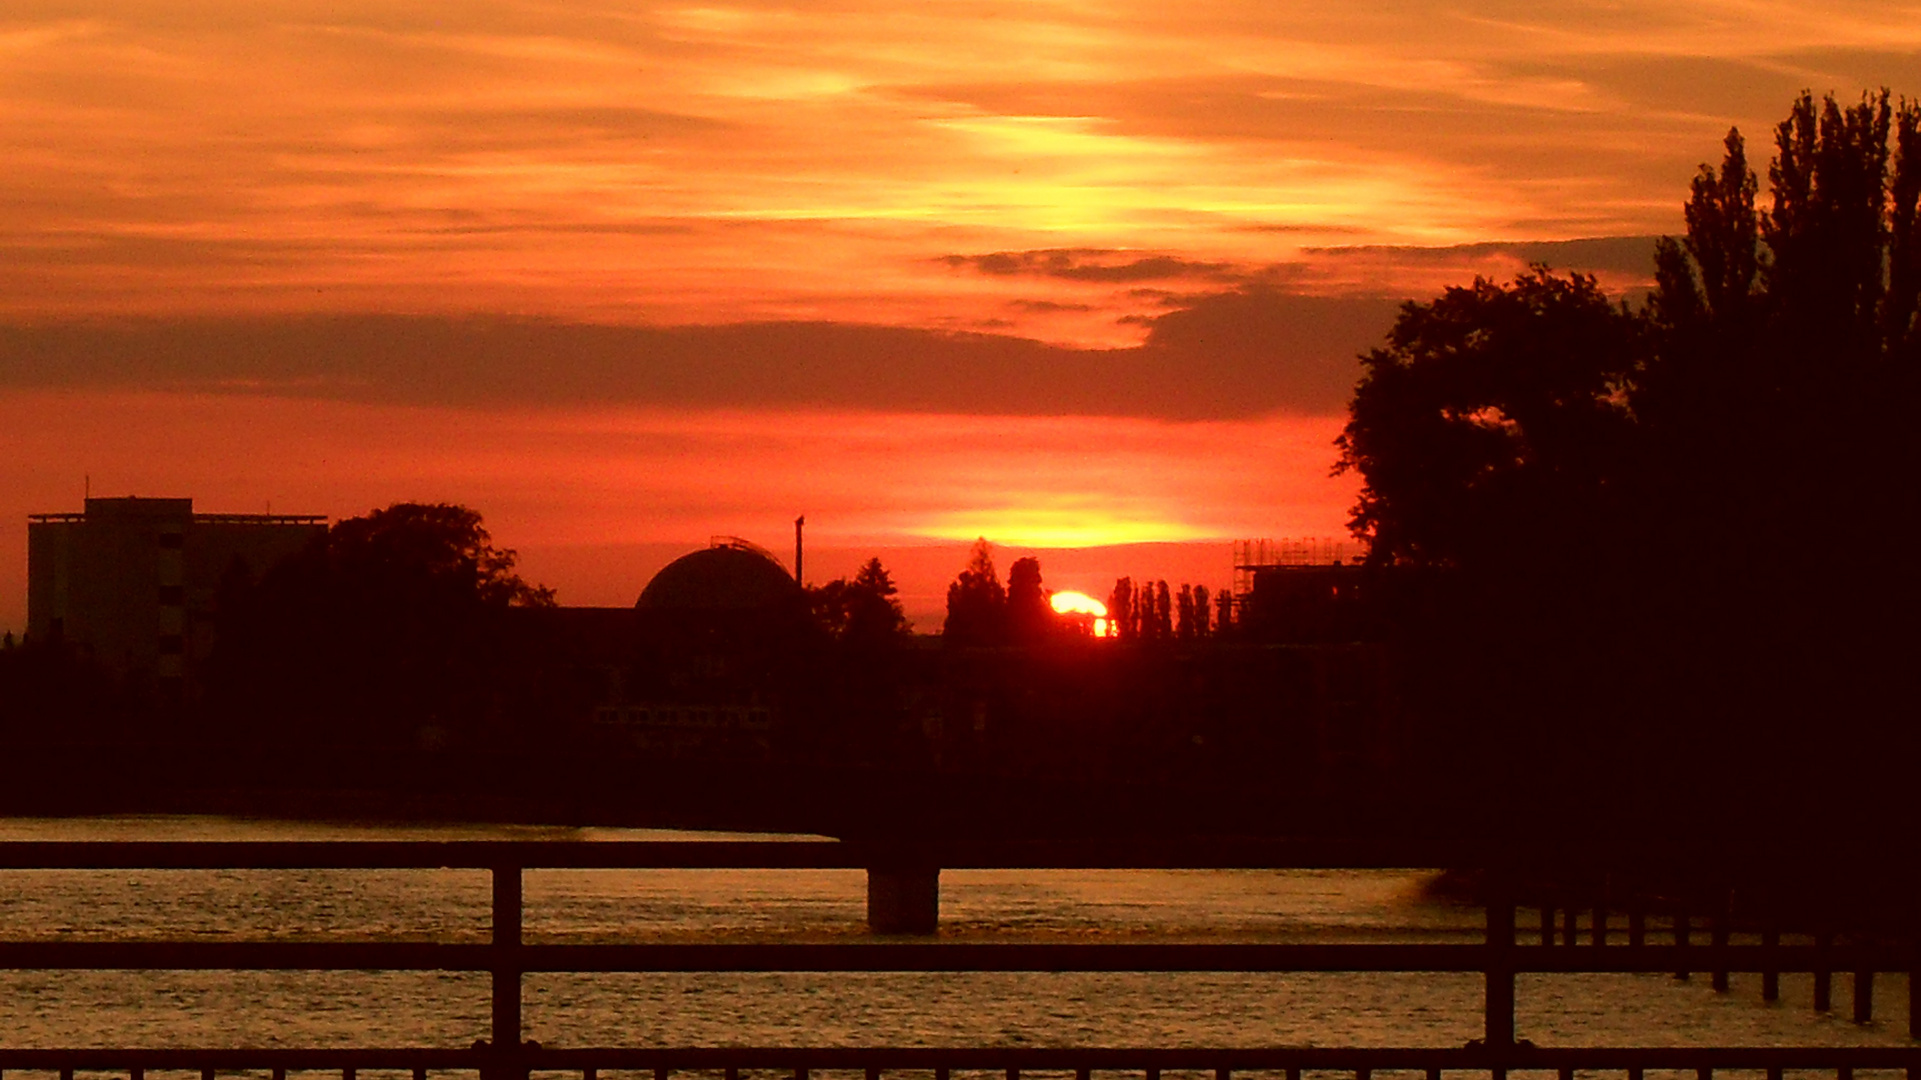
(798, 522)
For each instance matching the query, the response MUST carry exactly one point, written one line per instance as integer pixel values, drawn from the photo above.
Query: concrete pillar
(903, 899)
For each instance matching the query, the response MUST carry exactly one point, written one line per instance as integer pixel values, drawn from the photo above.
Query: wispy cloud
(701, 163)
(1087, 264)
(335, 225)
(1246, 354)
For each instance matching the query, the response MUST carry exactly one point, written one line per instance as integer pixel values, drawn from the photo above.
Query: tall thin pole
(506, 973)
(1499, 1001)
(798, 522)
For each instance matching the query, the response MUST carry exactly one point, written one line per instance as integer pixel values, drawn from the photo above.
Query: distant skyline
(619, 275)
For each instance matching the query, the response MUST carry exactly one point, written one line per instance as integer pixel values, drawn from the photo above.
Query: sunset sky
(625, 276)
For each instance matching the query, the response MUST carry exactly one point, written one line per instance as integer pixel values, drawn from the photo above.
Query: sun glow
(1083, 609)
(1073, 524)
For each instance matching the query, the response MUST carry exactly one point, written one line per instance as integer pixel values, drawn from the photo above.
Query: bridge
(900, 879)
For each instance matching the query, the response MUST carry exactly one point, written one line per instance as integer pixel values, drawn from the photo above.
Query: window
(172, 645)
(173, 596)
(173, 541)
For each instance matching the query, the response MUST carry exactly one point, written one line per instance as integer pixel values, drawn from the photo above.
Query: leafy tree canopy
(862, 610)
(1030, 616)
(1637, 512)
(1775, 352)
(418, 551)
(1484, 406)
(389, 621)
(976, 602)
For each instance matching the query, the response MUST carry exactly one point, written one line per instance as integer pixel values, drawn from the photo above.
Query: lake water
(162, 1009)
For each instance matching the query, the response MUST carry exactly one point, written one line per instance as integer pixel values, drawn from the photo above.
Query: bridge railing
(1499, 958)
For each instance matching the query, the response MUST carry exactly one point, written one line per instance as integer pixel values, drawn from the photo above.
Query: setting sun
(625, 276)
(1082, 608)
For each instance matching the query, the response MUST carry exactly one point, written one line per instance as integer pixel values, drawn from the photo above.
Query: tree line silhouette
(1151, 611)
(1655, 566)
(981, 612)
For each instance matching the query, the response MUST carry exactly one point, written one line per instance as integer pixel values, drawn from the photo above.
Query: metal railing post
(1498, 1002)
(1914, 991)
(506, 973)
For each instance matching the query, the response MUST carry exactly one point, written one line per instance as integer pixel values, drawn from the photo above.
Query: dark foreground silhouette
(1666, 591)
(1639, 594)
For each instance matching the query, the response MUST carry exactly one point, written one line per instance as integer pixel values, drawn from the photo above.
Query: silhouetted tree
(52, 693)
(1776, 408)
(388, 623)
(428, 552)
(1120, 610)
(861, 611)
(1624, 520)
(976, 603)
(1493, 413)
(1184, 613)
(1163, 612)
(1030, 618)
(1202, 612)
(853, 680)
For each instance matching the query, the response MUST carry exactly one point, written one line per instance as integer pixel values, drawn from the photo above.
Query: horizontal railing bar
(1001, 957)
(716, 854)
(1632, 959)
(993, 1057)
(1192, 957)
(933, 956)
(242, 956)
(1226, 1057)
(123, 1058)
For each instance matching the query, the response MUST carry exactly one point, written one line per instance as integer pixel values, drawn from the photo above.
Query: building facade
(132, 581)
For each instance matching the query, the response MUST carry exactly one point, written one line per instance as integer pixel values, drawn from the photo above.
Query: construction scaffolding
(1253, 555)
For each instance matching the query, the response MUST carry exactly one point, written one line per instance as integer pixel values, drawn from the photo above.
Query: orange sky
(597, 500)
(1070, 272)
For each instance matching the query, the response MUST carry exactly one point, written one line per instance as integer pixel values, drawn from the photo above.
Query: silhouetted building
(1309, 604)
(715, 638)
(132, 581)
(1313, 591)
(730, 580)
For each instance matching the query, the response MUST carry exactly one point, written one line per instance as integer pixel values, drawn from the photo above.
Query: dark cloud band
(1245, 353)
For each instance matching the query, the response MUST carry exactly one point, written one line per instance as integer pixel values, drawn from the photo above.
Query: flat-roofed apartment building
(132, 581)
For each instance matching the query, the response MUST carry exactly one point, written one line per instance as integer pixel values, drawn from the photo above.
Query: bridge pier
(903, 899)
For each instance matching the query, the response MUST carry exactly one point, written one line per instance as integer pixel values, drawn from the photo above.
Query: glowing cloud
(809, 160)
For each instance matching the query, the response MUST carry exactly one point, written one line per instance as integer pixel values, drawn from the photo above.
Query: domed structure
(731, 576)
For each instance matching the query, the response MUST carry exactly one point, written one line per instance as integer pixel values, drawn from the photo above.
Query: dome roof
(733, 575)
